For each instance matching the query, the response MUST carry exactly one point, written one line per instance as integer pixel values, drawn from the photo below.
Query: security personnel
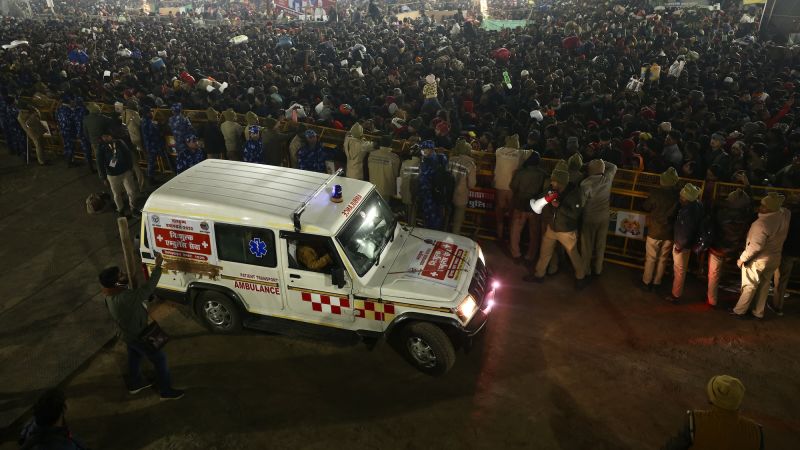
(384, 167)
(432, 206)
(181, 128)
(507, 159)
(687, 230)
(232, 132)
(13, 130)
(661, 207)
(31, 123)
(153, 143)
(720, 427)
(79, 113)
(94, 124)
(596, 189)
(731, 220)
(253, 150)
(356, 148)
(193, 154)
(66, 126)
(464, 171)
(133, 122)
(529, 182)
(409, 184)
(115, 164)
(312, 156)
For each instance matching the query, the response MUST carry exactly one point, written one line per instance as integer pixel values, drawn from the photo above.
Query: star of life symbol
(258, 247)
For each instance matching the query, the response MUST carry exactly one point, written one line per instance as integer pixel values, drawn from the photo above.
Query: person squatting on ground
(762, 255)
(730, 222)
(688, 225)
(661, 207)
(567, 208)
(128, 310)
(115, 165)
(528, 182)
(594, 228)
(721, 427)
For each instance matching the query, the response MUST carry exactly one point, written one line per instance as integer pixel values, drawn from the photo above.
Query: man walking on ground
(115, 163)
(687, 230)
(563, 228)
(720, 427)
(594, 230)
(128, 311)
(762, 254)
(528, 182)
(661, 206)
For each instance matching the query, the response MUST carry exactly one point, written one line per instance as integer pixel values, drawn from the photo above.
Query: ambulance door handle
(294, 275)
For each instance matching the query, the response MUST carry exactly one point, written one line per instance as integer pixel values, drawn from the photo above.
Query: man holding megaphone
(566, 203)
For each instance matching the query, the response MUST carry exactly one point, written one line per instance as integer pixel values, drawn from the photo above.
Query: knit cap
(575, 162)
(561, 165)
(725, 391)
(512, 141)
(357, 131)
(772, 201)
(229, 115)
(561, 176)
(669, 177)
(251, 118)
(738, 199)
(690, 192)
(596, 166)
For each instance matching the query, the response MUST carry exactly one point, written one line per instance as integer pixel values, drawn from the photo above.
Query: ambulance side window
(246, 245)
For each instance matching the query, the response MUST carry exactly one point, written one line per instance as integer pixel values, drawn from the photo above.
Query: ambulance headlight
(467, 308)
(480, 254)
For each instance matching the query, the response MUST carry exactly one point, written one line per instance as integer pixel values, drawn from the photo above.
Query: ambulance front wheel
(428, 348)
(219, 312)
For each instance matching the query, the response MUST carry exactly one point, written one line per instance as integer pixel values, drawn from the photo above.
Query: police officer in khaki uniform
(356, 148)
(31, 123)
(720, 427)
(233, 133)
(384, 167)
(409, 182)
(507, 159)
(133, 122)
(464, 171)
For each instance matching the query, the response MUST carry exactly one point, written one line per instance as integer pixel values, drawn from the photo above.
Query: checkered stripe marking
(326, 303)
(374, 311)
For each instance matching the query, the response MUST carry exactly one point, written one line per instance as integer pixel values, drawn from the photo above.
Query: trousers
(518, 221)
(680, 264)
(756, 276)
(656, 254)
(593, 245)
(569, 239)
(715, 266)
(120, 185)
(135, 353)
(458, 218)
(783, 275)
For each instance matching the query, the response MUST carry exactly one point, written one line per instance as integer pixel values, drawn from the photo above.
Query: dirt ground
(609, 367)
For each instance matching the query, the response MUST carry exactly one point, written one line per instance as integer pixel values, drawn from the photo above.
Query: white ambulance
(297, 252)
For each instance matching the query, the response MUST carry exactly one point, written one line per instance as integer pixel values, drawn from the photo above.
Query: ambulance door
(310, 292)
(249, 262)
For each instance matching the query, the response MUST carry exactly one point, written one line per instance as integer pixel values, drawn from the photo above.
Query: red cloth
(186, 78)
(501, 53)
(571, 42)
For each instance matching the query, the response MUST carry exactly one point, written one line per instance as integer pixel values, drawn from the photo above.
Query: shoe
(139, 387)
(174, 394)
(532, 279)
(738, 316)
(777, 312)
(646, 287)
(712, 305)
(672, 299)
(45, 163)
(582, 283)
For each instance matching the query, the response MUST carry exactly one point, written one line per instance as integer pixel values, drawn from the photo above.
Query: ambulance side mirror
(337, 276)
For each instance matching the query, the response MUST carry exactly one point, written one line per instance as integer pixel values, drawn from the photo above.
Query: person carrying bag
(142, 337)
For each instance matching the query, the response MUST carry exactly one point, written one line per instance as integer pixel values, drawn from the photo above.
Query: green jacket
(94, 124)
(526, 184)
(128, 310)
(662, 207)
(567, 216)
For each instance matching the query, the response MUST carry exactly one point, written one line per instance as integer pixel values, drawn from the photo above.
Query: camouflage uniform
(432, 212)
(15, 135)
(79, 112)
(181, 128)
(188, 158)
(66, 126)
(312, 158)
(253, 150)
(153, 145)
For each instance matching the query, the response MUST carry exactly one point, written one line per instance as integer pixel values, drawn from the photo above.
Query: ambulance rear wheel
(428, 348)
(219, 313)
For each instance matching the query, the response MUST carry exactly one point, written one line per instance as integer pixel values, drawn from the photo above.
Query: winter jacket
(730, 225)
(568, 214)
(661, 206)
(507, 160)
(464, 173)
(276, 146)
(766, 236)
(356, 149)
(94, 124)
(792, 246)
(133, 122)
(114, 158)
(687, 225)
(127, 310)
(409, 174)
(526, 184)
(597, 194)
(233, 134)
(213, 139)
(384, 167)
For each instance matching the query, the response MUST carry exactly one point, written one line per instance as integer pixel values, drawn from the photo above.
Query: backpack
(97, 202)
(443, 185)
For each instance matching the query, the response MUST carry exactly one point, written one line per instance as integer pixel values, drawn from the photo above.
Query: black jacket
(688, 224)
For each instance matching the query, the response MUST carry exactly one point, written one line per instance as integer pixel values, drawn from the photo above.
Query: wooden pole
(127, 250)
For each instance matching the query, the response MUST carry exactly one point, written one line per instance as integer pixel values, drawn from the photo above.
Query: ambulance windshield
(367, 232)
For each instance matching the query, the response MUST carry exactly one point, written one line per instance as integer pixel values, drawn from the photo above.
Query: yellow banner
(753, 2)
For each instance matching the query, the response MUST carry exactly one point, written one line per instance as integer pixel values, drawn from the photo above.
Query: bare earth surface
(609, 367)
